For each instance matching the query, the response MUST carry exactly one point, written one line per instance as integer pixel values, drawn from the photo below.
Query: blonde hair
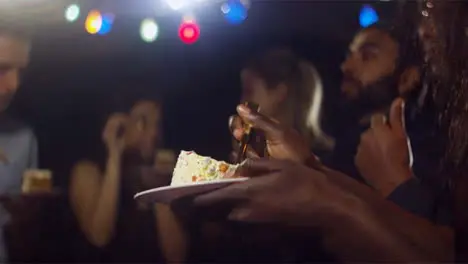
(313, 110)
(305, 91)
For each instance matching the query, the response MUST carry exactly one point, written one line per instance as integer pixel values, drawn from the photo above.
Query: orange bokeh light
(93, 22)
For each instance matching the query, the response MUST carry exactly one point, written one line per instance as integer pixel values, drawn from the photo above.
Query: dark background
(76, 79)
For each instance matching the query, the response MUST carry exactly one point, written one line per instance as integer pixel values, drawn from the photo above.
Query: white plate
(167, 194)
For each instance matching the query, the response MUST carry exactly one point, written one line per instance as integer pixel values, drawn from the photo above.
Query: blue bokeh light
(368, 16)
(107, 21)
(234, 12)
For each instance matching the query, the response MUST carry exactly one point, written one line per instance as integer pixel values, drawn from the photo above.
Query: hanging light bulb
(235, 12)
(93, 22)
(149, 30)
(106, 26)
(368, 16)
(72, 13)
(189, 32)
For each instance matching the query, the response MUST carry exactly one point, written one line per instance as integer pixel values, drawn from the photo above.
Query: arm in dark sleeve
(415, 198)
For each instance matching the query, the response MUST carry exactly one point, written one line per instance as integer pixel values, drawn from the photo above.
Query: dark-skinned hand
(383, 156)
(282, 142)
(279, 191)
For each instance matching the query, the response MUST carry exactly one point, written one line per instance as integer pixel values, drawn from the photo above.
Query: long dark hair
(282, 66)
(447, 76)
(121, 102)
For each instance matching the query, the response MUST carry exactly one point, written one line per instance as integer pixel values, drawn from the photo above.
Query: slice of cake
(37, 181)
(192, 168)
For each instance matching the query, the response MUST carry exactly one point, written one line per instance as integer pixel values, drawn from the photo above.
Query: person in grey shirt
(18, 145)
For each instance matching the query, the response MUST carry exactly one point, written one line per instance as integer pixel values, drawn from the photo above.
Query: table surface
(38, 227)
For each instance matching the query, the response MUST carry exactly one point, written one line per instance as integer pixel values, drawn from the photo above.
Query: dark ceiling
(268, 21)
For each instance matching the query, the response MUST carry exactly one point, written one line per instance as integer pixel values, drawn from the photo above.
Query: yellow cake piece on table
(192, 168)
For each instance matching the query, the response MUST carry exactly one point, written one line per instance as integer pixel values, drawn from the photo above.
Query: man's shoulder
(18, 143)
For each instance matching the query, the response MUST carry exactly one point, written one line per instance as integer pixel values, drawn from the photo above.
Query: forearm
(386, 228)
(171, 234)
(355, 239)
(103, 219)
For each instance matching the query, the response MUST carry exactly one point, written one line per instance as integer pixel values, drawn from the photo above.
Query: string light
(106, 26)
(234, 11)
(189, 32)
(72, 13)
(368, 16)
(93, 22)
(176, 4)
(149, 30)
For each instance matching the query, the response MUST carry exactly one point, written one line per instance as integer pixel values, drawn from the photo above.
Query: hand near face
(282, 142)
(279, 191)
(110, 135)
(383, 155)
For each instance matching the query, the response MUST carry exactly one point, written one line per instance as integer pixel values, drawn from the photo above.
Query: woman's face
(143, 129)
(254, 89)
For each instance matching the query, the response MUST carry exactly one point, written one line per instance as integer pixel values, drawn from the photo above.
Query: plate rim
(169, 187)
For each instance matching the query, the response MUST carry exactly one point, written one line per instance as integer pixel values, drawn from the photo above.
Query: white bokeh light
(72, 13)
(149, 30)
(176, 4)
(225, 8)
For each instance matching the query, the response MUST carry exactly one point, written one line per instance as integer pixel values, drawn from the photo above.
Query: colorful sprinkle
(223, 167)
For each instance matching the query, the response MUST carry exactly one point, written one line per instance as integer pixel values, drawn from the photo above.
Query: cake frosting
(35, 181)
(192, 168)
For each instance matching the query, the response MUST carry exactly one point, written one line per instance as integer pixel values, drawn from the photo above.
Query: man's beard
(371, 98)
(5, 101)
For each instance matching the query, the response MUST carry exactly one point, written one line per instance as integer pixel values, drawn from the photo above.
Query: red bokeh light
(189, 32)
